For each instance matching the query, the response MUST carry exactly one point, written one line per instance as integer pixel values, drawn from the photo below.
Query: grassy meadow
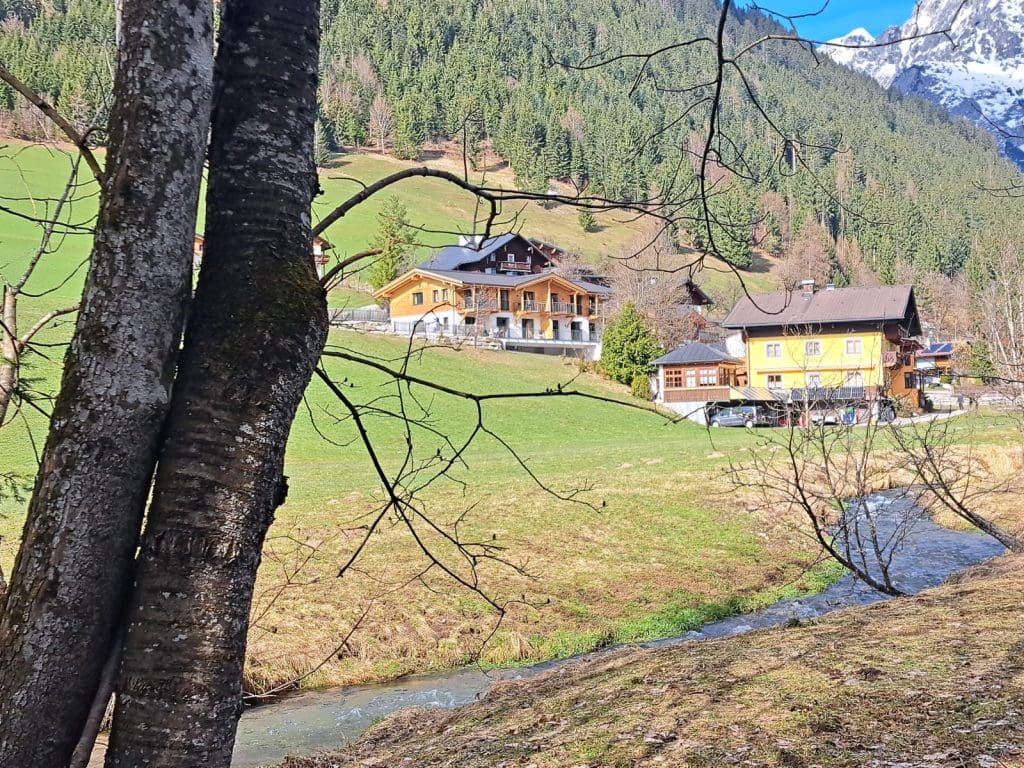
(651, 543)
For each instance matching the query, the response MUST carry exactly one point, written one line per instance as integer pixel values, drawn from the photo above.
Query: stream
(310, 722)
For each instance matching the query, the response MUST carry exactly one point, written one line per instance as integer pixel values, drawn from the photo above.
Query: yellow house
(539, 312)
(835, 343)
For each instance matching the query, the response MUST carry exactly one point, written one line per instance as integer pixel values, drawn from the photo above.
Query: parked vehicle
(744, 416)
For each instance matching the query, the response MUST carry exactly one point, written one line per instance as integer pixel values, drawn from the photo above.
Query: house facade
(535, 311)
(695, 375)
(835, 344)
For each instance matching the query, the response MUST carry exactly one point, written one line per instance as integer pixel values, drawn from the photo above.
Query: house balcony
(894, 359)
(562, 308)
(531, 305)
(479, 305)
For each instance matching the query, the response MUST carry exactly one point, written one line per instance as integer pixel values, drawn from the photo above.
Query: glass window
(814, 380)
(691, 378)
(444, 294)
(774, 381)
(673, 378)
(434, 295)
(773, 349)
(417, 298)
(708, 377)
(854, 346)
(855, 379)
(812, 348)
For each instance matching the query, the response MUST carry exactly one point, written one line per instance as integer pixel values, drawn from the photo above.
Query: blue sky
(841, 16)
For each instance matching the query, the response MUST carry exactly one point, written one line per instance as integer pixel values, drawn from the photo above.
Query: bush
(641, 386)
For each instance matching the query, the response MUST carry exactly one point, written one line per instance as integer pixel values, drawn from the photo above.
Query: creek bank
(309, 722)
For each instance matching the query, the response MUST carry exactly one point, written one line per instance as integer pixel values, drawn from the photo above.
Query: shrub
(641, 386)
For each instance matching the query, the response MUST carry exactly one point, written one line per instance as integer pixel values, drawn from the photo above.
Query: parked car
(744, 416)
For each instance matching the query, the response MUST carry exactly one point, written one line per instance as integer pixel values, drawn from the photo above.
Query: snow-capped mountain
(975, 71)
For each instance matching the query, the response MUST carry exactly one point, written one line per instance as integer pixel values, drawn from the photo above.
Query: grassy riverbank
(935, 680)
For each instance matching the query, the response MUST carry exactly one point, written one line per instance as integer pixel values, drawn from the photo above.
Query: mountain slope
(976, 72)
(885, 187)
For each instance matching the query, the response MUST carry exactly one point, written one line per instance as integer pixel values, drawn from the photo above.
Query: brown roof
(886, 303)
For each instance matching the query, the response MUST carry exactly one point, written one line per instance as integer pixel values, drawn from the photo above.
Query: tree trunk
(69, 581)
(8, 351)
(256, 330)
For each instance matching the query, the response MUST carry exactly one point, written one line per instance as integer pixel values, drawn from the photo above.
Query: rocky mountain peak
(975, 68)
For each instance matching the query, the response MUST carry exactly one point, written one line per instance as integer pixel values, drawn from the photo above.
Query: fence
(435, 330)
(365, 315)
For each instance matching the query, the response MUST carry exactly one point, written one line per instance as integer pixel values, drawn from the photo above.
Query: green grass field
(658, 546)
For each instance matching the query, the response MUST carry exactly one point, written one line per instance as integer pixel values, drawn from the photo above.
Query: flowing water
(309, 722)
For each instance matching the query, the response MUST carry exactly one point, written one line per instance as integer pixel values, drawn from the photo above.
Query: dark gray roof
(883, 303)
(591, 287)
(697, 352)
(454, 256)
(510, 281)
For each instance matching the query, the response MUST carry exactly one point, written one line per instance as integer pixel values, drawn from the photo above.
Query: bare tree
(381, 121)
(15, 341)
(827, 473)
(956, 474)
(1001, 310)
(645, 275)
(835, 454)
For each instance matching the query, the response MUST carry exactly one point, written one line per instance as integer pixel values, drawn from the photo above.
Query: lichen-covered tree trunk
(257, 327)
(70, 578)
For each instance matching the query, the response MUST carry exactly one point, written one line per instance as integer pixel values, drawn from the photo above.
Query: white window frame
(773, 349)
(855, 379)
(774, 381)
(858, 347)
(813, 380)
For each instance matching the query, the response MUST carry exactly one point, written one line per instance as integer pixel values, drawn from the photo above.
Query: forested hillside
(878, 186)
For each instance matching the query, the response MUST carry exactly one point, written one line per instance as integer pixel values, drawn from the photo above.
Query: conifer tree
(394, 238)
(629, 345)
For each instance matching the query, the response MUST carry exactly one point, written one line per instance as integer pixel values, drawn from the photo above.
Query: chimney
(807, 287)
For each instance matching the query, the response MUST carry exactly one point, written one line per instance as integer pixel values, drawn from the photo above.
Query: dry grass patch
(933, 681)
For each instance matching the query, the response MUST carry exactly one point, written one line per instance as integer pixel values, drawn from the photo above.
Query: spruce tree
(394, 238)
(629, 345)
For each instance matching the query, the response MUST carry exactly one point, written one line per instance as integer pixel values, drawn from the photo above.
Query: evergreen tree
(629, 345)
(587, 220)
(394, 239)
(979, 361)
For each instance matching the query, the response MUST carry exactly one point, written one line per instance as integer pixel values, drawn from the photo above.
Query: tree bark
(73, 569)
(257, 327)
(8, 351)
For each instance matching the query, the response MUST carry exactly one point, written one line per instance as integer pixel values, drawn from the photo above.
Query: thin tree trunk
(8, 351)
(74, 566)
(256, 330)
